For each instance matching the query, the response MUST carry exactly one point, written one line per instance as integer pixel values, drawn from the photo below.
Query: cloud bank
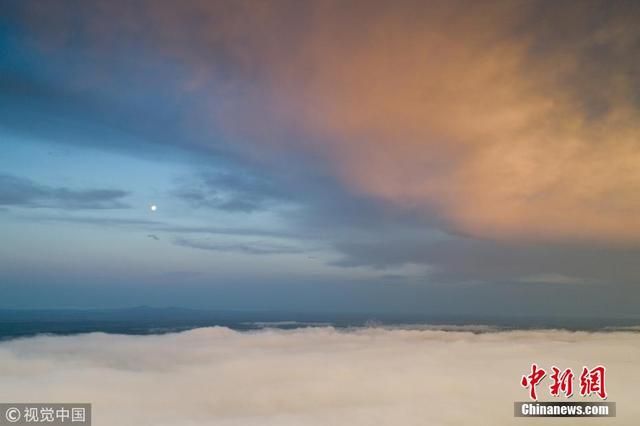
(312, 376)
(503, 120)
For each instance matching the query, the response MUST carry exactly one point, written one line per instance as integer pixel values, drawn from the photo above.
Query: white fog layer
(313, 376)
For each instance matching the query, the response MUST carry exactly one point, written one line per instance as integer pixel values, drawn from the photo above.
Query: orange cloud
(506, 120)
(452, 110)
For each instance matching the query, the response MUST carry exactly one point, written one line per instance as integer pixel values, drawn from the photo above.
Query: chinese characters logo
(592, 381)
(50, 413)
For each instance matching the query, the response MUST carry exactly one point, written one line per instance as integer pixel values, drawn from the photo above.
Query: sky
(438, 157)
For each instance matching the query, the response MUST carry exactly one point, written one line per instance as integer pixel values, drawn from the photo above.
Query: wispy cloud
(256, 247)
(553, 279)
(22, 192)
(235, 192)
(164, 226)
(97, 221)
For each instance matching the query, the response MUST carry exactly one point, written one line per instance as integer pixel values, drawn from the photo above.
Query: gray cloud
(169, 227)
(97, 221)
(236, 192)
(256, 247)
(22, 192)
(311, 376)
(460, 259)
(213, 230)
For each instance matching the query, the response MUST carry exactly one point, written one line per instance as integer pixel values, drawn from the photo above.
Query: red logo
(562, 382)
(591, 381)
(532, 380)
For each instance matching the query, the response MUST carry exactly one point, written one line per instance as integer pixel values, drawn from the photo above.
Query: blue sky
(442, 164)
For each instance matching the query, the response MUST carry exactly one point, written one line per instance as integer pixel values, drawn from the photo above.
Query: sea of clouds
(313, 376)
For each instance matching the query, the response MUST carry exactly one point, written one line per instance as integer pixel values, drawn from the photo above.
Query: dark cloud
(212, 230)
(22, 192)
(231, 191)
(458, 259)
(255, 248)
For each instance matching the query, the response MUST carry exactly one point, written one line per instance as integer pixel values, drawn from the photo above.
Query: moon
(153, 207)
